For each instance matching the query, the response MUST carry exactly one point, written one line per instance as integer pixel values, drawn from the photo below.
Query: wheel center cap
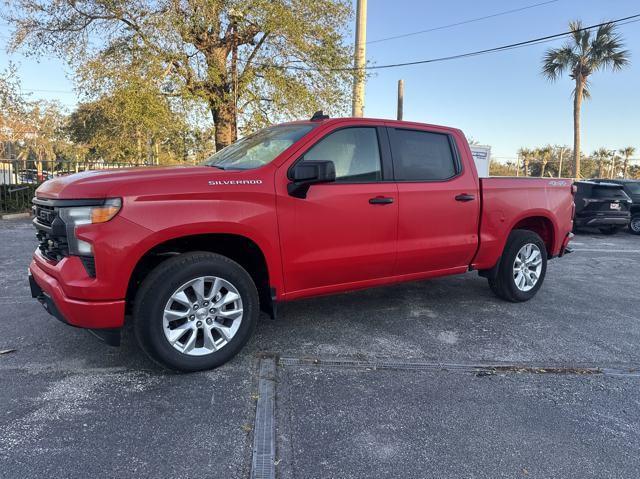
(201, 313)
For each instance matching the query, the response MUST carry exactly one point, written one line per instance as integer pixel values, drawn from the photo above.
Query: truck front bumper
(103, 318)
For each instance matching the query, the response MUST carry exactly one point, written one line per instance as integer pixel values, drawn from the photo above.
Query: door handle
(465, 197)
(380, 200)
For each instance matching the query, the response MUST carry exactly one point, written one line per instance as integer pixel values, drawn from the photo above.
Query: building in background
(482, 158)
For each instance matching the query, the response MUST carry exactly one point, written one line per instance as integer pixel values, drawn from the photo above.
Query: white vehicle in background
(482, 159)
(7, 176)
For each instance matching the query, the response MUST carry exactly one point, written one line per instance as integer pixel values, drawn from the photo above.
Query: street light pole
(359, 59)
(560, 167)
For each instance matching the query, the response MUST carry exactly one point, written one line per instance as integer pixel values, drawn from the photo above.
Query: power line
(534, 41)
(464, 22)
(461, 55)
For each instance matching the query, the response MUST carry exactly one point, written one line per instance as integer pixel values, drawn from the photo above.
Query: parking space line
(600, 250)
(264, 431)
(484, 368)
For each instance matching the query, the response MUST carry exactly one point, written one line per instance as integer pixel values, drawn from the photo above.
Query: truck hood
(106, 183)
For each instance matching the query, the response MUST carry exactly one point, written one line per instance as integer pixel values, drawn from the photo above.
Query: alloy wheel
(527, 267)
(202, 315)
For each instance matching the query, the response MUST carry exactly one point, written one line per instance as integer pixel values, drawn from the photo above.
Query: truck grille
(50, 232)
(52, 247)
(44, 215)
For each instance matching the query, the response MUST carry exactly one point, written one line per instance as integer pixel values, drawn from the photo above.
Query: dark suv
(601, 205)
(632, 189)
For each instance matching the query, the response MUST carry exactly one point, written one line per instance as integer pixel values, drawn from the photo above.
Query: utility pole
(235, 17)
(400, 99)
(359, 59)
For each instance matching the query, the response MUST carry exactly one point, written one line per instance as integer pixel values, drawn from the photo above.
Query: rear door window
(609, 192)
(422, 155)
(634, 188)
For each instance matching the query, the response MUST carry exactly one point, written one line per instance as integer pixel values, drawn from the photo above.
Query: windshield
(259, 148)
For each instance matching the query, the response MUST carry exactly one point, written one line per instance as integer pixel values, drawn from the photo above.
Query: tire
(153, 312)
(609, 230)
(634, 225)
(504, 284)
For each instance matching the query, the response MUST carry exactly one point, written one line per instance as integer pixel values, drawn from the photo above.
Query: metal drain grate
(489, 368)
(264, 432)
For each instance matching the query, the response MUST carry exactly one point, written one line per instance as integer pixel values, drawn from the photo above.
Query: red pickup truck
(300, 209)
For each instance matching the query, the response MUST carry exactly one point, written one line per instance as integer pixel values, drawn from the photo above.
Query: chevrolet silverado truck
(192, 254)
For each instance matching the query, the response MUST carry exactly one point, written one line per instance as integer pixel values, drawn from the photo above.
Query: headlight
(74, 216)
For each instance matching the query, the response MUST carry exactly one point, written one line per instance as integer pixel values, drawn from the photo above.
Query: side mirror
(307, 173)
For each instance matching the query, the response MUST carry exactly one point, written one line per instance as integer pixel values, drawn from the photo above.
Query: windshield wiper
(217, 166)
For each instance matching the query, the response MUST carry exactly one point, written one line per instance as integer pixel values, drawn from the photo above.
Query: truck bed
(547, 203)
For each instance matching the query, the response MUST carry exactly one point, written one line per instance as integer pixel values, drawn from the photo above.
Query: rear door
(439, 201)
(342, 232)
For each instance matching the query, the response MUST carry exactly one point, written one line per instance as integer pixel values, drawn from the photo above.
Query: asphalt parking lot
(429, 379)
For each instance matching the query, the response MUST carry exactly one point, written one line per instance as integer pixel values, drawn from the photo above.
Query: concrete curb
(15, 216)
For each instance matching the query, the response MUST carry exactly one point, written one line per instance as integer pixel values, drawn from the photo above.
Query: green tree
(46, 136)
(130, 124)
(627, 153)
(13, 112)
(583, 55)
(253, 60)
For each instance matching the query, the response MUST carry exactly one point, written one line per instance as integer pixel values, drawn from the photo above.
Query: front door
(342, 232)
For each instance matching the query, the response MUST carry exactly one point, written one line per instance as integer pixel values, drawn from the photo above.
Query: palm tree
(627, 153)
(525, 154)
(581, 56)
(601, 155)
(545, 155)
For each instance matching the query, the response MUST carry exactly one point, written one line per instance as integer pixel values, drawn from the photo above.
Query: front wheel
(634, 225)
(195, 311)
(522, 268)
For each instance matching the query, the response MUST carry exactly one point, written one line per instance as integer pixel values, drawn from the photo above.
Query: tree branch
(247, 63)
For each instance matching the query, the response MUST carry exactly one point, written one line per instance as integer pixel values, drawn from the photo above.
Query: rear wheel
(634, 225)
(522, 268)
(195, 311)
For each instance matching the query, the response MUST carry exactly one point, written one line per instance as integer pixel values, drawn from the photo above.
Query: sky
(499, 99)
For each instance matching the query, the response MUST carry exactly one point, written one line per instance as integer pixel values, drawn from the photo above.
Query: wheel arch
(238, 247)
(543, 226)
(538, 222)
